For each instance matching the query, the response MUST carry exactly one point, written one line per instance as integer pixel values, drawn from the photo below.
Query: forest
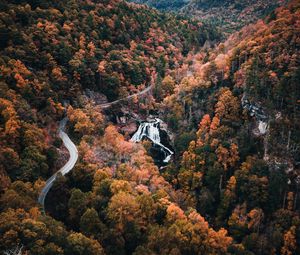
(225, 100)
(228, 15)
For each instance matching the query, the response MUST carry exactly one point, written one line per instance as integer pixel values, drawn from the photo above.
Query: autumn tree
(168, 85)
(256, 217)
(228, 198)
(123, 209)
(78, 244)
(227, 108)
(289, 240)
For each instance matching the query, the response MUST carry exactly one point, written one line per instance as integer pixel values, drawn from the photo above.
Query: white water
(262, 127)
(151, 131)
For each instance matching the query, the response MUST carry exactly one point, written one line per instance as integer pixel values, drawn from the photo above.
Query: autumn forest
(149, 127)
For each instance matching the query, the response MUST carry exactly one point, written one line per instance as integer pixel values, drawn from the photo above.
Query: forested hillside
(164, 4)
(241, 165)
(51, 53)
(228, 15)
(229, 112)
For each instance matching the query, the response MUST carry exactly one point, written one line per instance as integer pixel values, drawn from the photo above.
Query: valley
(126, 129)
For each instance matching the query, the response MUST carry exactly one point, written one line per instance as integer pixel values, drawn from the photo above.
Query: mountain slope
(61, 58)
(232, 186)
(51, 52)
(164, 4)
(237, 124)
(228, 15)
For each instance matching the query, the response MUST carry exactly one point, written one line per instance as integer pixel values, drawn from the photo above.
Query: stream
(152, 131)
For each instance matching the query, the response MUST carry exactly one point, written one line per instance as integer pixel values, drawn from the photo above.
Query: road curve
(73, 150)
(66, 168)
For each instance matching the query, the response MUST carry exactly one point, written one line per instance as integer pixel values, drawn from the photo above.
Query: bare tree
(14, 251)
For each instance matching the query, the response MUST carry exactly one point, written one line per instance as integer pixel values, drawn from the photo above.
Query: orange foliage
(91, 47)
(227, 157)
(174, 213)
(227, 106)
(290, 244)
(57, 74)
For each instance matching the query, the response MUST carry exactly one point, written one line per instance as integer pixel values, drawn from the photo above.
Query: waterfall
(151, 131)
(262, 127)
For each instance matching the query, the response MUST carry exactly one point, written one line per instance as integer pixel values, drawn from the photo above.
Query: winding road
(66, 168)
(73, 150)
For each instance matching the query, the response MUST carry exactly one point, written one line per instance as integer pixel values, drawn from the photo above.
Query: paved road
(66, 168)
(144, 91)
(73, 150)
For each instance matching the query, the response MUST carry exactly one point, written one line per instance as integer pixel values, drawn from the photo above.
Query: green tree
(77, 206)
(33, 164)
(90, 223)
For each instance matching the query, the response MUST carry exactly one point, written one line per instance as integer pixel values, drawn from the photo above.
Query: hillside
(230, 15)
(57, 52)
(164, 5)
(83, 53)
(237, 119)
(151, 135)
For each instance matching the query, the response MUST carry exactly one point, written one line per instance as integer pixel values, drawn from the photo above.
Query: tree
(10, 160)
(256, 191)
(90, 223)
(34, 136)
(227, 108)
(20, 227)
(120, 186)
(227, 157)
(237, 222)
(289, 240)
(78, 244)
(122, 209)
(82, 123)
(57, 199)
(290, 201)
(18, 195)
(77, 205)
(33, 164)
(11, 120)
(256, 217)
(167, 85)
(228, 199)
(148, 208)
(187, 234)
